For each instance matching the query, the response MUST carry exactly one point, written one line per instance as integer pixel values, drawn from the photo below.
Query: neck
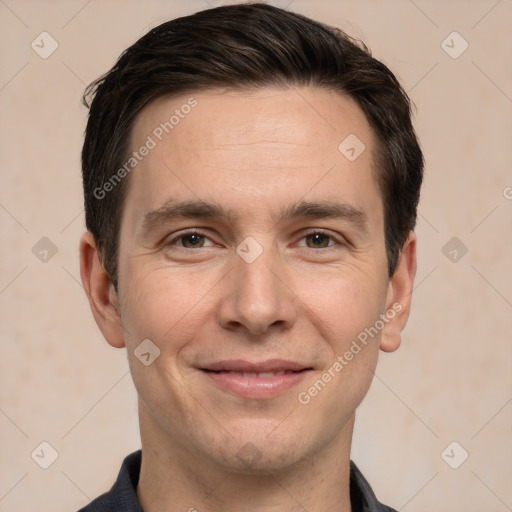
(173, 478)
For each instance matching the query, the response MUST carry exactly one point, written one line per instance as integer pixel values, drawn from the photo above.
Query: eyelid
(339, 239)
(190, 231)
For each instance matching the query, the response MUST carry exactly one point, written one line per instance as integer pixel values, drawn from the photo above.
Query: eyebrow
(173, 210)
(326, 210)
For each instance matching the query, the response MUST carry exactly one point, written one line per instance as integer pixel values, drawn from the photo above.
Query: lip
(240, 377)
(241, 365)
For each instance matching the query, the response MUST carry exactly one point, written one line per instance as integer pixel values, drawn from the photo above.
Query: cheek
(344, 315)
(164, 305)
(343, 302)
(166, 308)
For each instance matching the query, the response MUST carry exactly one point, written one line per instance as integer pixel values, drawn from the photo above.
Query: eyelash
(186, 233)
(338, 241)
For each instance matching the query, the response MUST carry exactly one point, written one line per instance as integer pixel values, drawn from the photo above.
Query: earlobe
(398, 300)
(100, 292)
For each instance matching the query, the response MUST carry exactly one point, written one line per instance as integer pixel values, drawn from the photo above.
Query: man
(251, 180)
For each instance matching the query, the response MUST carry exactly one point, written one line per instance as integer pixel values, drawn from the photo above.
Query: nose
(256, 298)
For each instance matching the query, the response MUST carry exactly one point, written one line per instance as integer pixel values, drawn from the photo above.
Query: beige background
(450, 381)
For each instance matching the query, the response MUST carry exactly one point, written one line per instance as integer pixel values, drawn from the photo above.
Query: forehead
(266, 145)
(296, 115)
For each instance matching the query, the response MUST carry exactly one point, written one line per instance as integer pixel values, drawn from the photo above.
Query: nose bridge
(257, 298)
(258, 283)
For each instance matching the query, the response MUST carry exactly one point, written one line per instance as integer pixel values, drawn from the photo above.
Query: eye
(318, 240)
(191, 240)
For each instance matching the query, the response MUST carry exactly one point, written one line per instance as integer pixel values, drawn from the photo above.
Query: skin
(303, 299)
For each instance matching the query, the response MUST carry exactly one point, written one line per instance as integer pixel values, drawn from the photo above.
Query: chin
(265, 450)
(252, 459)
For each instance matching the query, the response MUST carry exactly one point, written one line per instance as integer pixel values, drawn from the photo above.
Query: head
(234, 122)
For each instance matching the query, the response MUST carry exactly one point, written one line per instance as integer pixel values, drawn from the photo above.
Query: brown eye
(192, 241)
(317, 240)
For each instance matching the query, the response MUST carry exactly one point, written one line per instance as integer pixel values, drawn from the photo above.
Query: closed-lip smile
(256, 380)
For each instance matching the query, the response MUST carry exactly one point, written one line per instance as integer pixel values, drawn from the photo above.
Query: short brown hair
(246, 46)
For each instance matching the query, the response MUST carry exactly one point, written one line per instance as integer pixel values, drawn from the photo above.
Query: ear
(398, 299)
(100, 292)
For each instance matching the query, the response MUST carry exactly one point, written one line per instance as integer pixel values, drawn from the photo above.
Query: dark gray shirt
(123, 498)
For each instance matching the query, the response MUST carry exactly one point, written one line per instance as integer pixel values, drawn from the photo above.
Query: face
(252, 256)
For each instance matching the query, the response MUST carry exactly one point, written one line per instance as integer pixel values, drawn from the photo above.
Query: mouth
(255, 380)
